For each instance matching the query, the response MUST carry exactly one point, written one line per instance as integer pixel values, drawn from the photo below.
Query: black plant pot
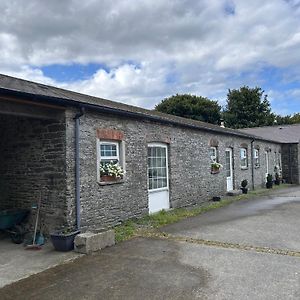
(63, 242)
(269, 185)
(244, 190)
(216, 198)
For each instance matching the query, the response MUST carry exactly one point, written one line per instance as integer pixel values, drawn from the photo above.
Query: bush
(244, 183)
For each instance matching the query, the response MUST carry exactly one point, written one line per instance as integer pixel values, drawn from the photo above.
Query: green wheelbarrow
(11, 222)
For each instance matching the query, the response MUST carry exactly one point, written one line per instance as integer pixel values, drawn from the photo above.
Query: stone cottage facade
(54, 141)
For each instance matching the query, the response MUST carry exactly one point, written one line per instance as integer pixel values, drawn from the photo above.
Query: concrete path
(17, 263)
(229, 253)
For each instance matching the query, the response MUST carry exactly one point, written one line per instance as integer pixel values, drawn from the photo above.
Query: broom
(35, 246)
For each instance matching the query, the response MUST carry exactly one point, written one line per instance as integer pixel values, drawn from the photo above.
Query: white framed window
(110, 153)
(256, 157)
(244, 158)
(213, 153)
(157, 167)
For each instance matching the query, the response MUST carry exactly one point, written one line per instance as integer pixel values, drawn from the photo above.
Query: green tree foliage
(284, 120)
(295, 118)
(247, 107)
(280, 120)
(192, 107)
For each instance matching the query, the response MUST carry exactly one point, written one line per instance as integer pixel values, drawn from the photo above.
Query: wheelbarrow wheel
(17, 234)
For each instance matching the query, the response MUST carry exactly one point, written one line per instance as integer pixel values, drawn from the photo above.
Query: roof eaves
(164, 118)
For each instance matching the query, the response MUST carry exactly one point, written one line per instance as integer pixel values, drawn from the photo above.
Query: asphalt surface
(229, 253)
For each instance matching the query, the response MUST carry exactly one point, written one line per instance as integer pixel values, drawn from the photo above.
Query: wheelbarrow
(11, 222)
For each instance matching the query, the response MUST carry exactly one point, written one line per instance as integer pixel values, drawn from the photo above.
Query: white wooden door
(158, 177)
(229, 169)
(267, 163)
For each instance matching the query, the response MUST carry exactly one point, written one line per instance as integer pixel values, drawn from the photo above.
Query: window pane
(108, 150)
(157, 167)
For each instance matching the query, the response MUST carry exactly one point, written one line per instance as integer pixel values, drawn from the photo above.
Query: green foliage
(244, 183)
(124, 231)
(192, 107)
(286, 120)
(270, 178)
(295, 118)
(130, 228)
(247, 107)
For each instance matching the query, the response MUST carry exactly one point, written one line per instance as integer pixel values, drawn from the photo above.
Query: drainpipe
(77, 165)
(252, 164)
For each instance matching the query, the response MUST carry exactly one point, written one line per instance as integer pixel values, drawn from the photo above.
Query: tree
(286, 120)
(247, 107)
(192, 107)
(283, 120)
(295, 118)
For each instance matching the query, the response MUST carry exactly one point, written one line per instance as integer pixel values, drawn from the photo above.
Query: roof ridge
(18, 85)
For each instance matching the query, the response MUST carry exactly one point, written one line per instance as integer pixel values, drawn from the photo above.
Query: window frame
(256, 158)
(120, 155)
(166, 147)
(214, 158)
(107, 142)
(244, 158)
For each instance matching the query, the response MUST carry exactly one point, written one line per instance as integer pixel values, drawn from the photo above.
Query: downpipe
(77, 165)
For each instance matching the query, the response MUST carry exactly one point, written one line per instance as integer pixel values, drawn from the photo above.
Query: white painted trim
(120, 153)
(107, 142)
(165, 146)
(231, 167)
(267, 166)
(216, 153)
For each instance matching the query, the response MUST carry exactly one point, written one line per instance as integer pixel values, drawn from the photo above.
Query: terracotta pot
(108, 178)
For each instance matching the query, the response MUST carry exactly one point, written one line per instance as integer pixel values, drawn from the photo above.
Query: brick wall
(32, 159)
(191, 181)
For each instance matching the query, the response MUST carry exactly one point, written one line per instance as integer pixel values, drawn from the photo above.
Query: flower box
(108, 178)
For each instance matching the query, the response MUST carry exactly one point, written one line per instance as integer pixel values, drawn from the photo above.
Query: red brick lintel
(110, 134)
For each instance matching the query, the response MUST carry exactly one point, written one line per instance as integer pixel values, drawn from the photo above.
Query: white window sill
(244, 168)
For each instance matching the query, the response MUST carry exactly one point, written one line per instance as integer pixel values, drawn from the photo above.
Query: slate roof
(23, 87)
(280, 133)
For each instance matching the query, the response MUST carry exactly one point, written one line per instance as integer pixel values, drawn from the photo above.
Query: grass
(132, 227)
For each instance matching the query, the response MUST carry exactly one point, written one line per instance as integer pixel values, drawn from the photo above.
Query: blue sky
(141, 52)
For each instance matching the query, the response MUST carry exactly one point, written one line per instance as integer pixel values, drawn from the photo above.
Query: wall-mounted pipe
(252, 164)
(77, 165)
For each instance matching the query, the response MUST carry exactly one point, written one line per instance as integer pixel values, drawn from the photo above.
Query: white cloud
(202, 47)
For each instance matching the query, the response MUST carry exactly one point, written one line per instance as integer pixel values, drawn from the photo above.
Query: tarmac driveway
(229, 253)
(270, 221)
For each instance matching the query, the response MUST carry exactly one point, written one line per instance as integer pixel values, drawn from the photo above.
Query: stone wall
(190, 178)
(32, 161)
(290, 163)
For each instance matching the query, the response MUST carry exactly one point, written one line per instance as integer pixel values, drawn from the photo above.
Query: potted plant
(269, 183)
(110, 171)
(244, 188)
(63, 240)
(215, 167)
(277, 179)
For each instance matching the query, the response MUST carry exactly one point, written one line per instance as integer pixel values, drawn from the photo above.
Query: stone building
(289, 137)
(53, 142)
